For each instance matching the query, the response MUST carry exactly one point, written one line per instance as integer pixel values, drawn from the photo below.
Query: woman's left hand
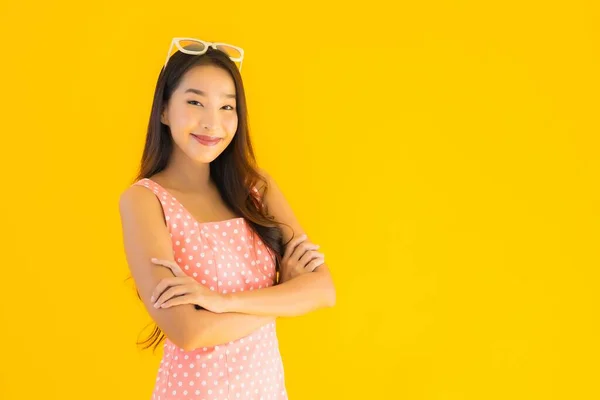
(183, 289)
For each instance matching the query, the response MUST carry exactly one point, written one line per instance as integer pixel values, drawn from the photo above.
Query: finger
(308, 256)
(301, 249)
(311, 266)
(172, 292)
(166, 283)
(291, 246)
(185, 299)
(172, 265)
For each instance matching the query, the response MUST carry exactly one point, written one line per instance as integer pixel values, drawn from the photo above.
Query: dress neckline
(194, 219)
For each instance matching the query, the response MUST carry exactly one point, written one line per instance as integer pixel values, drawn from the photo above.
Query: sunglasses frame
(176, 42)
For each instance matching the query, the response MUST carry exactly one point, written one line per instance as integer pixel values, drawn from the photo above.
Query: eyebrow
(201, 93)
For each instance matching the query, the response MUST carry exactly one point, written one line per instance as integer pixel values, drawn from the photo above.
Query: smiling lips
(207, 140)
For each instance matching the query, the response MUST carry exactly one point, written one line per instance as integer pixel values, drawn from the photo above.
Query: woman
(213, 246)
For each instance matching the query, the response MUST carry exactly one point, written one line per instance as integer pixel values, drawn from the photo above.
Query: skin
(212, 113)
(167, 292)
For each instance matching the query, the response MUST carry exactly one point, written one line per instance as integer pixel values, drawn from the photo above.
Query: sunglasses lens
(229, 50)
(192, 45)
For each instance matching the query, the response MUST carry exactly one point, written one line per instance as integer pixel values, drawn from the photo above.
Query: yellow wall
(444, 155)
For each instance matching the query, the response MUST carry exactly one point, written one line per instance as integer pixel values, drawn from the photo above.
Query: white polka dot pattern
(226, 256)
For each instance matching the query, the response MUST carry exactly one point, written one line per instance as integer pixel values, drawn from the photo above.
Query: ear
(163, 116)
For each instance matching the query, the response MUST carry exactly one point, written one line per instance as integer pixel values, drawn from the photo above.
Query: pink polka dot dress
(226, 256)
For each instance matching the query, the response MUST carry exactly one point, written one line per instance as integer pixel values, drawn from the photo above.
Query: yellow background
(443, 153)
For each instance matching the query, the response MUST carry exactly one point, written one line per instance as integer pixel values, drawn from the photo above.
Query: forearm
(211, 329)
(295, 297)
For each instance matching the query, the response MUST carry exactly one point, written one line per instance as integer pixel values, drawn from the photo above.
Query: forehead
(209, 79)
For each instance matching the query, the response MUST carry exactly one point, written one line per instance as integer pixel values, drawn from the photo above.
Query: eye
(194, 101)
(230, 107)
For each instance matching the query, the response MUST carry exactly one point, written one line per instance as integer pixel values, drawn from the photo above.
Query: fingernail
(152, 298)
(155, 305)
(153, 259)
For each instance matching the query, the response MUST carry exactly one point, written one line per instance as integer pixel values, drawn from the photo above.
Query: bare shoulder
(134, 194)
(139, 200)
(144, 227)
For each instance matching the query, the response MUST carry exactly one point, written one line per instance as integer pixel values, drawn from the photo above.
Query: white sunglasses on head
(196, 47)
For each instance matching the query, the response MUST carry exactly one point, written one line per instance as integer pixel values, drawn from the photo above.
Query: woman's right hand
(300, 257)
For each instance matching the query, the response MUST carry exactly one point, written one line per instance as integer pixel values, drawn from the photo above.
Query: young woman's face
(202, 113)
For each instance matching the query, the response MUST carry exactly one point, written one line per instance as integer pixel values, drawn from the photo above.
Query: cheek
(230, 124)
(177, 121)
(184, 117)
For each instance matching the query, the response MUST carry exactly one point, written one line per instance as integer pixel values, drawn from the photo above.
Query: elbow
(186, 329)
(186, 338)
(195, 338)
(330, 297)
(198, 339)
(191, 342)
(189, 348)
(183, 340)
(187, 345)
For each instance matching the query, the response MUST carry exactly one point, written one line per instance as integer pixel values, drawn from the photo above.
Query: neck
(187, 175)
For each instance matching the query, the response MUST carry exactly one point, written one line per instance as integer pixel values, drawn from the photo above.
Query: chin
(204, 158)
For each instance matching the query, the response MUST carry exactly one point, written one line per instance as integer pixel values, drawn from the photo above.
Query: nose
(209, 122)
